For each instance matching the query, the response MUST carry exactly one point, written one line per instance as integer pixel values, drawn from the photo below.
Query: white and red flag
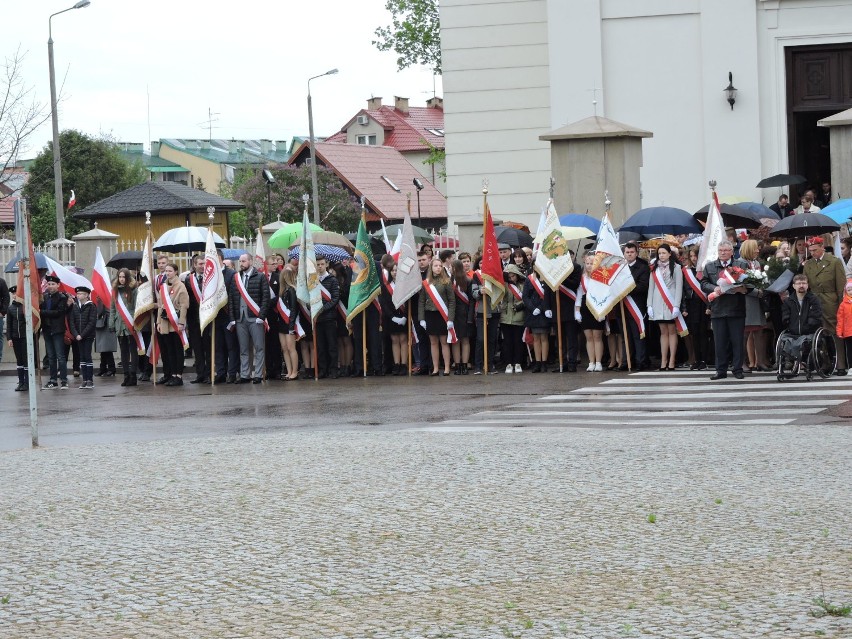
(72, 200)
(396, 249)
(101, 286)
(68, 279)
(408, 281)
(610, 280)
(714, 233)
(213, 293)
(145, 302)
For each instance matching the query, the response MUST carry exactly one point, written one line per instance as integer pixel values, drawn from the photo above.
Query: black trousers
(570, 342)
(227, 350)
(513, 344)
(375, 359)
(196, 343)
(85, 349)
(144, 365)
(638, 349)
(728, 333)
(272, 347)
(129, 354)
(326, 348)
(171, 351)
(493, 334)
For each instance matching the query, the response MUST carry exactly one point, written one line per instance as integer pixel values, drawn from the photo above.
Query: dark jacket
(15, 324)
(533, 300)
(257, 288)
(223, 317)
(328, 313)
(804, 318)
(641, 273)
(54, 309)
(83, 320)
(572, 283)
(4, 297)
(730, 304)
(192, 312)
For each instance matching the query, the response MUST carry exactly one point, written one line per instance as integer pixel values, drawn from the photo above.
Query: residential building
(12, 182)
(517, 69)
(384, 177)
(413, 131)
(158, 169)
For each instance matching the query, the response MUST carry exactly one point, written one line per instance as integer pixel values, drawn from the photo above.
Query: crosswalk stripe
(720, 386)
(576, 410)
(772, 421)
(579, 401)
(717, 396)
(733, 380)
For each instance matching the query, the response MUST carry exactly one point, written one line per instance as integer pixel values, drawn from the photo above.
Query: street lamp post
(270, 180)
(54, 116)
(419, 186)
(314, 186)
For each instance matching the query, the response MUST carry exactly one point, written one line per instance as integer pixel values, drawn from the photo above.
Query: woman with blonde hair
(121, 313)
(755, 322)
(592, 328)
(287, 329)
(437, 311)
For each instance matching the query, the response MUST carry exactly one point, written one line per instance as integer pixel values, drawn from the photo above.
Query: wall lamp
(731, 90)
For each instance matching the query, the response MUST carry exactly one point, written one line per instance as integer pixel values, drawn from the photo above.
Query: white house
(516, 69)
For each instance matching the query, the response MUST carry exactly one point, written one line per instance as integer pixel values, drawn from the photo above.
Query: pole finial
(485, 186)
(552, 184)
(148, 219)
(211, 213)
(607, 201)
(712, 184)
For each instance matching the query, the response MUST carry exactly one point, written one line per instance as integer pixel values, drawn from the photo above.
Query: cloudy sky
(248, 62)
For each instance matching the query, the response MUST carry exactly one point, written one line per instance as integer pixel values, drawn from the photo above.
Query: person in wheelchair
(801, 316)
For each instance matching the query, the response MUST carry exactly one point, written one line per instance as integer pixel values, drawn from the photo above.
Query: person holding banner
(513, 319)
(665, 294)
(121, 322)
(538, 302)
(326, 322)
(592, 328)
(395, 322)
(641, 273)
(288, 311)
(727, 311)
(194, 283)
(436, 311)
(694, 309)
(249, 301)
(172, 306)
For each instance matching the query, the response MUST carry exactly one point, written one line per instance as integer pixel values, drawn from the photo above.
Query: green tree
(92, 167)
(340, 210)
(436, 156)
(237, 220)
(414, 34)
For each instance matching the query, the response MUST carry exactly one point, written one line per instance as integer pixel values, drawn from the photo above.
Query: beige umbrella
(329, 238)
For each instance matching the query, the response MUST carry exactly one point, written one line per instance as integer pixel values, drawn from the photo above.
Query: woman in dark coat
(432, 319)
(394, 320)
(463, 291)
(538, 302)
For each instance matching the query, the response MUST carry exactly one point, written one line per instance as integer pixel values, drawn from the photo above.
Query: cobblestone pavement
(463, 533)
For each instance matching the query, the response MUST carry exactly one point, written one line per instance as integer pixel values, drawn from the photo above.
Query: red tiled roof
(7, 210)
(403, 132)
(361, 168)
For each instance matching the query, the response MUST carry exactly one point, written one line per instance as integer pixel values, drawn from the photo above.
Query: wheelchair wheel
(823, 356)
(786, 367)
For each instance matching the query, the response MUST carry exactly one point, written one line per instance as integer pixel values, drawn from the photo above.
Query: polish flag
(396, 249)
(72, 200)
(68, 279)
(102, 288)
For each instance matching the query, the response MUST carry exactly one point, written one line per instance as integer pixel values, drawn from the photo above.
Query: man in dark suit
(641, 275)
(227, 346)
(194, 282)
(727, 313)
(782, 206)
(570, 326)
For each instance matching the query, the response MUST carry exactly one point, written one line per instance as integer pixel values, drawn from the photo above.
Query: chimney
(233, 147)
(191, 144)
(435, 103)
(374, 104)
(265, 147)
(155, 149)
(282, 145)
(401, 104)
(205, 145)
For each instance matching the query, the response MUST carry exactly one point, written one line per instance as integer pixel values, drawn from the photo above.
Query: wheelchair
(817, 355)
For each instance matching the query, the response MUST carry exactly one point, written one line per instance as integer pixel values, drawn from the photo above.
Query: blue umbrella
(232, 253)
(12, 267)
(580, 220)
(333, 254)
(840, 211)
(761, 211)
(661, 220)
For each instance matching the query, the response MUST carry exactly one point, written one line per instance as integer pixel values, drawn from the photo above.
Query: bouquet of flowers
(757, 278)
(729, 278)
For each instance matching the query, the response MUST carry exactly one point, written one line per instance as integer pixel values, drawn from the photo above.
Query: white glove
(577, 316)
(398, 320)
(423, 324)
(536, 312)
(258, 321)
(675, 312)
(450, 324)
(231, 326)
(650, 312)
(548, 314)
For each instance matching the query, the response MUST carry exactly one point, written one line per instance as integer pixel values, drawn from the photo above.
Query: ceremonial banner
(714, 233)
(145, 290)
(553, 261)
(68, 279)
(214, 297)
(307, 281)
(610, 279)
(102, 288)
(365, 277)
(408, 280)
(397, 246)
(22, 228)
(491, 267)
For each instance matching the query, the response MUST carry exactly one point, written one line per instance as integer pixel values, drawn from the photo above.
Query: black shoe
(622, 368)
(108, 374)
(720, 376)
(144, 377)
(465, 368)
(125, 380)
(220, 379)
(199, 380)
(20, 387)
(131, 381)
(256, 380)
(100, 373)
(163, 379)
(243, 380)
(739, 375)
(232, 379)
(175, 381)
(840, 372)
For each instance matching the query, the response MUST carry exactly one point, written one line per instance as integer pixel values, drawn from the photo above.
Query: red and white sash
(127, 318)
(441, 305)
(238, 281)
(326, 297)
(668, 300)
(460, 294)
(414, 338)
(193, 285)
(537, 287)
(568, 292)
(636, 313)
(172, 313)
(515, 291)
(389, 286)
(282, 310)
(694, 284)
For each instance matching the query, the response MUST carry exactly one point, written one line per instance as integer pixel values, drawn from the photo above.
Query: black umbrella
(126, 259)
(516, 238)
(733, 215)
(660, 220)
(782, 179)
(12, 267)
(804, 225)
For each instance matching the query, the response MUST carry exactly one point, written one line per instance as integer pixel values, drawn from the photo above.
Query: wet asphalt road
(110, 413)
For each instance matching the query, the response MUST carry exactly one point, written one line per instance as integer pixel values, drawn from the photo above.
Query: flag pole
(484, 294)
(559, 324)
(364, 340)
(316, 361)
(154, 346)
(624, 335)
(212, 351)
(410, 336)
(25, 266)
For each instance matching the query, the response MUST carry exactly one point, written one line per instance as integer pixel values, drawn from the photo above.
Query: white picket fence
(63, 251)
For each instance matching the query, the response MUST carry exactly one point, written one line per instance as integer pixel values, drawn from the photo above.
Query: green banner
(365, 277)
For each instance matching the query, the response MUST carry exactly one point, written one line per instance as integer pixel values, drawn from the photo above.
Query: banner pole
(27, 268)
(154, 347)
(485, 330)
(316, 355)
(624, 335)
(410, 336)
(364, 339)
(212, 351)
(559, 324)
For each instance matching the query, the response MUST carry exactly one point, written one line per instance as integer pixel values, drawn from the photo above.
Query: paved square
(432, 533)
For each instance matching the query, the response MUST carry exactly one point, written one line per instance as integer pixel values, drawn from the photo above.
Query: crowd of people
(687, 318)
